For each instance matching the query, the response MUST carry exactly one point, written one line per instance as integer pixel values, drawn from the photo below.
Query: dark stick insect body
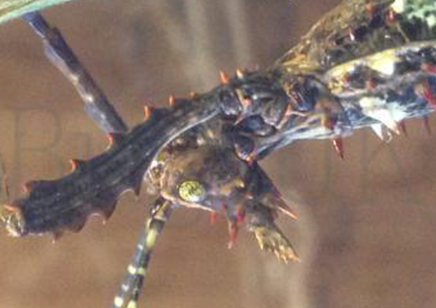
(367, 63)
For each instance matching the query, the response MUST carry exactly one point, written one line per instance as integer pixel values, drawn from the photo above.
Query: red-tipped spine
(224, 77)
(147, 112)
(430, 97)
(27, 187)
(338, 145)
(240, 73)
(240, 215)
(75, 163)
(172, 101)
(429, 68)
(233, 234)
(213, 218)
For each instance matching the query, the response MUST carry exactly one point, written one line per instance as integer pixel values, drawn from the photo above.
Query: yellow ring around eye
(192, 191)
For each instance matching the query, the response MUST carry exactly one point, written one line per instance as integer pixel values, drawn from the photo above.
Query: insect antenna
(97, 105)
(131, 286)
(106, 117)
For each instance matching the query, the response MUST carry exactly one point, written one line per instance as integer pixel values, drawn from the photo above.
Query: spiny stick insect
(366, 63)
(204, 146)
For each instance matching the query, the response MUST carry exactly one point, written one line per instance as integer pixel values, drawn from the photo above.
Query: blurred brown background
(367, 225)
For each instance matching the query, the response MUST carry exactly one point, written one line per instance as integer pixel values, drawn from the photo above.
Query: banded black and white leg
(130, 289)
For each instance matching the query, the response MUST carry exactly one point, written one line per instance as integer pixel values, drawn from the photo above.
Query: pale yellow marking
(132, 304)
(371, 106)
(399, 6)
(340, 71)
(151, 238)
(377, 108)
(90, 99)
(131, 269)
(141, 271)
(118, 301)
(384, 62)
(210, 133)
(74, 77)
(240, 183)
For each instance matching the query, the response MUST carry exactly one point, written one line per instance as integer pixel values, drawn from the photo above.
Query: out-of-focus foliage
(10, 9)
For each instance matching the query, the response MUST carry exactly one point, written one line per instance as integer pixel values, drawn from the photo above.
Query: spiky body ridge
(367, 63)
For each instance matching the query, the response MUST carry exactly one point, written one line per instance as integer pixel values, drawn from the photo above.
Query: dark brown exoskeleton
(366, 63)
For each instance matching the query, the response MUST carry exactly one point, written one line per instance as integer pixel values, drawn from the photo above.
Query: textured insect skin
(219, 181)
(356, 29)
(368, 63)
(317, 90)
(94, 186)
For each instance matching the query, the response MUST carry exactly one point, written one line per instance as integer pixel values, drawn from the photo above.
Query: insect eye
(192, 191)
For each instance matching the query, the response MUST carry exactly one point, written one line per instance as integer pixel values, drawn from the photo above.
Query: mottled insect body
(200, 170)
(367, 63)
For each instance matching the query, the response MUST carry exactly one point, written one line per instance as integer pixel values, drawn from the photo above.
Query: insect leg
(131, 286)
(97, 106)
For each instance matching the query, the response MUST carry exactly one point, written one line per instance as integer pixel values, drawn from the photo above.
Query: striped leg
(132, 284)
(97, 106)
